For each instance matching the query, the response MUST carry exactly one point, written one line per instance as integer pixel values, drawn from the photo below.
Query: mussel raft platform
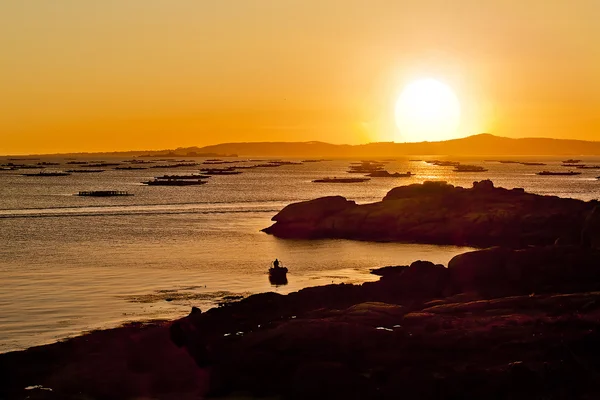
(104, 193)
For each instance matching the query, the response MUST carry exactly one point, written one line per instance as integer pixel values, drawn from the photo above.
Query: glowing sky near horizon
(83, 75)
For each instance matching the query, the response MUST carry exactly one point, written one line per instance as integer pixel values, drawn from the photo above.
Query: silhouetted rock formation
(436, 212)
(498, 323)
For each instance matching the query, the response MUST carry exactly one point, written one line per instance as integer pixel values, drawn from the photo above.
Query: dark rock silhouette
(436, 212)
(503, 272)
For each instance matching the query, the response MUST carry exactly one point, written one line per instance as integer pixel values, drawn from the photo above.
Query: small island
(440, 213)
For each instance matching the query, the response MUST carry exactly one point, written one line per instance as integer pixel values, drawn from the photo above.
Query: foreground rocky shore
(498, 323)
(439, 213)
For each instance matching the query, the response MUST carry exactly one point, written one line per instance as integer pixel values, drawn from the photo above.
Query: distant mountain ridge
(478, 145)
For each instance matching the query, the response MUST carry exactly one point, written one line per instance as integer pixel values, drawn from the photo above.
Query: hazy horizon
(483, 141)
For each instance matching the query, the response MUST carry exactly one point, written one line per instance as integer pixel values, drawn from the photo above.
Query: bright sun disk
(427, 110)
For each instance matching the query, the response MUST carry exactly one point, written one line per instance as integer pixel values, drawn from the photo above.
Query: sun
(427, 110)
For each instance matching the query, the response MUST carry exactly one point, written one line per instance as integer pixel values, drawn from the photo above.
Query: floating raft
(104, 193)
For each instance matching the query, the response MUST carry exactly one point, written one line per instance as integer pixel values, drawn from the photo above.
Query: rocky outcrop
(436, 212)
(497, 323)
(483, 324)
(504, 272)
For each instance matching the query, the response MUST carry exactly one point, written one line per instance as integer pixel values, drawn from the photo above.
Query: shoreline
(417, 330)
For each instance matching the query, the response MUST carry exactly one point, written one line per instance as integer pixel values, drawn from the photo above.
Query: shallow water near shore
(70, 264)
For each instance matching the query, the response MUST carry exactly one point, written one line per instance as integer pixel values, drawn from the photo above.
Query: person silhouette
(276, 263)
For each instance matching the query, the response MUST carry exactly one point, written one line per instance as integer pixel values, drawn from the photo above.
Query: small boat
(47, 174)
(532, 163)
(366, 167)
(385, 174)
(173, 182)
(549, 173)
(192, 176)
(278, 274)
(129, 168)
(178, 165)
(84, 171)
(571, 161)
(439, 163)
(314, 160)
(341, 180)
(27, 166)
(469, 168)
(588, 167)
(104, 193)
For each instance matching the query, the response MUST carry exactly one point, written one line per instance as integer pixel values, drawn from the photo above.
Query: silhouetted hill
(483, 144)
(477, 145)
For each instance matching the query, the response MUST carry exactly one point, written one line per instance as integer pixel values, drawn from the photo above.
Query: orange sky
(82, 75)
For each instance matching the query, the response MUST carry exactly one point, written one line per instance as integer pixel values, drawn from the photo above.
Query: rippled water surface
(70, 264)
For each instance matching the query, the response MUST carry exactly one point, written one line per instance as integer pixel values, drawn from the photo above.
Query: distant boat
(104, 193)
(193, 176)
(129, 168)
(439, 163)
(27, 166)
(548, 173)
(588, 167)
(469, 168)
(314, 160)
(84, 171)
(341, 180)
(47, 174)
(532, 163)
(173, 182)
(571, 161)
(178, 165)
(386, 174)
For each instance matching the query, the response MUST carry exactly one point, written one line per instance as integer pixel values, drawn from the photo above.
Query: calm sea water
(70, 264)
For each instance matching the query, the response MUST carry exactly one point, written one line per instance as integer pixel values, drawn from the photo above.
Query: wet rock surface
(436, 212)
(498, 323)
